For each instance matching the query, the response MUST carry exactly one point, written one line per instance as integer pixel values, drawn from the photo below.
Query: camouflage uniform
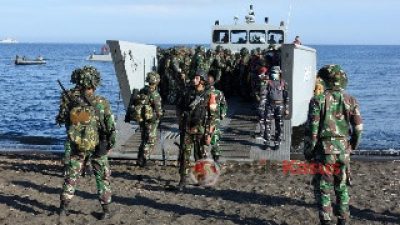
(148, 119)
(196, 126)
(276, 106)
(218, 108)
(334, 116)
(86, 140)
(198, 62)
(261, 97)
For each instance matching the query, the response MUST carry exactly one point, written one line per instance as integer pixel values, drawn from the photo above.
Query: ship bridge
(247, 34)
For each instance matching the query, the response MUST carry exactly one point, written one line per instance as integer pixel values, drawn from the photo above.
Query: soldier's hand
(286, 112)
(207, 139)
(127, 119)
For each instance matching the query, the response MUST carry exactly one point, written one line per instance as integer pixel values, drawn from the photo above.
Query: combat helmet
(219, 49)
(86, 77)
(333, 76)
(275, 72)
(244, 51)
(152, 78)
(202, 74)
(200, 49)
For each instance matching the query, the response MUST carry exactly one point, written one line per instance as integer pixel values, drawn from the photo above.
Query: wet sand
(247, 193)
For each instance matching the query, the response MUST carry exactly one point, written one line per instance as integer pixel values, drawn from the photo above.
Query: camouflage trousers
(215, 138)
(148, 138)
(273, 112)
(325, 182)
(191, 142)
(101, 170)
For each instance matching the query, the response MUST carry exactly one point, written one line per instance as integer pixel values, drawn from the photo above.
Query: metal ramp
(238, 142)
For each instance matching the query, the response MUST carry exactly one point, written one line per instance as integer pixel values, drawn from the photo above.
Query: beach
(246, 193)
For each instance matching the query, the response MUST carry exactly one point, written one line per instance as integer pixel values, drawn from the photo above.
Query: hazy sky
(190, 21)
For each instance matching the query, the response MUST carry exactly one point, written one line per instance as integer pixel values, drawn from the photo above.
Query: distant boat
(104, 55)
(8, 41)
(25, 61)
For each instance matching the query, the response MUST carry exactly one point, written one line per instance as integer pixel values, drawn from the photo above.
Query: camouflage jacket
(335, 123)
(104, 117)
(198, 62)
(217, 105)
(154, 101)
(195, 112)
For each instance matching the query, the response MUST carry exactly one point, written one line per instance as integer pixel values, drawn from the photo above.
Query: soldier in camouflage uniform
(261, 98)
(149, 124)
(197, 127)
(218, 108)
(335, 128)
(91, 134)
(198, 62)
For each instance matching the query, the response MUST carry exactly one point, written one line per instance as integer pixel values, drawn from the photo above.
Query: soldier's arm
(286, 95)
(315, 119)
(63, 111)
(356, 124)
(109, 122)
(157, 105)
(223, 106)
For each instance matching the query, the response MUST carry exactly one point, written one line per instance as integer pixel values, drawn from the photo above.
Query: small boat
(25, 61)
(8, 41)
(104, 55)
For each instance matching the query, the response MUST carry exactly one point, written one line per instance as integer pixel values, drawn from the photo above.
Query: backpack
(141, 107)
(198, 110)
(275, 90)
(83, 131)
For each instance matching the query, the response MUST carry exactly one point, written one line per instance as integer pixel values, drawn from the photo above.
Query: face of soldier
(196, 80)
(89, 91)
(210, 79)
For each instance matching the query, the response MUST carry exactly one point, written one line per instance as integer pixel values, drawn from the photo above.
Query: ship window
(275, 37)
(257, 36)
(238, 37)
(221, 36)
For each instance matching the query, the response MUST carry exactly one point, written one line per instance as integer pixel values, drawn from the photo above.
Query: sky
(190, 21)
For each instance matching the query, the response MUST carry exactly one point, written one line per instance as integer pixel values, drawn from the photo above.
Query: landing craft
(298, 62)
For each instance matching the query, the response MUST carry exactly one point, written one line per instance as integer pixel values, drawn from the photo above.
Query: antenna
(288, 18)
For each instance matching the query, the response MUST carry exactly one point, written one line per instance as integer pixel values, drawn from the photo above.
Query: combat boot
(216, 158)
(106, 212)
(341, 222)
(182, 183)
(141, 162)
(325, 222)
(63, 210)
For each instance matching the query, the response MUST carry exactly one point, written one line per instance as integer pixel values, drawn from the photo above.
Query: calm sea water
(29, 95)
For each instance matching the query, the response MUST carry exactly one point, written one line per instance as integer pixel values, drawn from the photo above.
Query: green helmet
(333, 76)
(219, 48)
(244, 51)
(153, 78)
(202, 74)
(86, 77)
(227, 51)
(200, 49)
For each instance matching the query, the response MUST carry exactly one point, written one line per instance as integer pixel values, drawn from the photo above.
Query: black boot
(216, 158)
(341, 222)
(141, 162)
(182, 183)
(106, 212)
(325, 222)
(63, 210)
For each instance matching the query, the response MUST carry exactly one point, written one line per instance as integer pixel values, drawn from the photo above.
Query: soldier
(196, 124)
(335, 128)
(261, 98)
(147, 111)
(91, 134)
(277, 105)
(218, 108)
(198, 62)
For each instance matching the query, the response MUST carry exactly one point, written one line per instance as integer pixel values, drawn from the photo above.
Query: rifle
(348, 175)
(162, 140)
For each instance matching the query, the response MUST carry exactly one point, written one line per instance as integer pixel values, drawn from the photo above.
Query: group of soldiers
(254, 75)
(334, 124)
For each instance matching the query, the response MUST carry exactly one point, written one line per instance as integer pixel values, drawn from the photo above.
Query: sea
(29, 95)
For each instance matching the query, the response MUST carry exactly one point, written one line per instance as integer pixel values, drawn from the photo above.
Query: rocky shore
(246, 193)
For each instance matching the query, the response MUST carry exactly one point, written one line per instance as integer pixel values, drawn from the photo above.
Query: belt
(277, 102)
(333, 138)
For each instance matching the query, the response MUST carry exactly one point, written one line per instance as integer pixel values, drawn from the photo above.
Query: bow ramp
(132, 61)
